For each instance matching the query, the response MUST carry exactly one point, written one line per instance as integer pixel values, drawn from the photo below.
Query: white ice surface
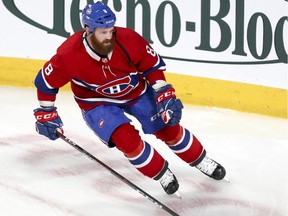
(42, 177)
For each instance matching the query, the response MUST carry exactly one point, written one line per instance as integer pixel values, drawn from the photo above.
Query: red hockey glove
(169, 107)
(47, 122)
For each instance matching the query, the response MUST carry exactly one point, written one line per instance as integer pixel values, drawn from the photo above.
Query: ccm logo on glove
(169, 93)
(43, 116)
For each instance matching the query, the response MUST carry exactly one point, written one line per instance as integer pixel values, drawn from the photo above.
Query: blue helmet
(98, 15)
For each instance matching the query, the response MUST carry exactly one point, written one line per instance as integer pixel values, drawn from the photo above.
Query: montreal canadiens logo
(116, 88)
(101, 123)
(88, 11)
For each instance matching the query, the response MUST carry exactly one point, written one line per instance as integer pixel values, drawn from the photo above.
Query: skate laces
(207, 165)
(167, 178)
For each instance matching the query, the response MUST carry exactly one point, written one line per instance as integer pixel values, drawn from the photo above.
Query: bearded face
(102, 40)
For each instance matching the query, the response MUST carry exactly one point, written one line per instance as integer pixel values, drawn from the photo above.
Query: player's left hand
(169, 107)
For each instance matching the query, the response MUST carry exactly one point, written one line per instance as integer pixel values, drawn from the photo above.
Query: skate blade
(178, 194)
(226, 179)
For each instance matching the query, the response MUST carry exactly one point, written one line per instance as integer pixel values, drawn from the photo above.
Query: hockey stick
(116, 174)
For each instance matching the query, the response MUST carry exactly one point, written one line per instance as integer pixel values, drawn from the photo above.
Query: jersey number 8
(49, 69)
(150, 51)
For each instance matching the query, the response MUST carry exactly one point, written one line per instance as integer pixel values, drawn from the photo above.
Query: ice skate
(169, 182)
(211, 168)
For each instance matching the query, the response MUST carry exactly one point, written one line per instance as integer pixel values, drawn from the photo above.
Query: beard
(103, 48)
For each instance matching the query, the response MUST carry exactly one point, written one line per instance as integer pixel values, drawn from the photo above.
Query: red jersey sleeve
(50, 78)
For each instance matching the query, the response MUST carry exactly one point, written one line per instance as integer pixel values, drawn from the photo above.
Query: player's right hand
(47, 122)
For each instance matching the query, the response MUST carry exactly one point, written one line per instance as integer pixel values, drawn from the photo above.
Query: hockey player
(112, 71)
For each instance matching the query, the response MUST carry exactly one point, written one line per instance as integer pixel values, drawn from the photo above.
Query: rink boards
(191, 89)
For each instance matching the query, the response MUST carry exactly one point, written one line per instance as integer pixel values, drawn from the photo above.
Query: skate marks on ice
(40, 176)
(205, 197)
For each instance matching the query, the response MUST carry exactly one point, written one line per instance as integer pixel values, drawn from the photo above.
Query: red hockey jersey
(118, 78)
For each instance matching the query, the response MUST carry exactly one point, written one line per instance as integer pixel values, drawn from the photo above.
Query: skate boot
(211, 168)
(169, 182)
